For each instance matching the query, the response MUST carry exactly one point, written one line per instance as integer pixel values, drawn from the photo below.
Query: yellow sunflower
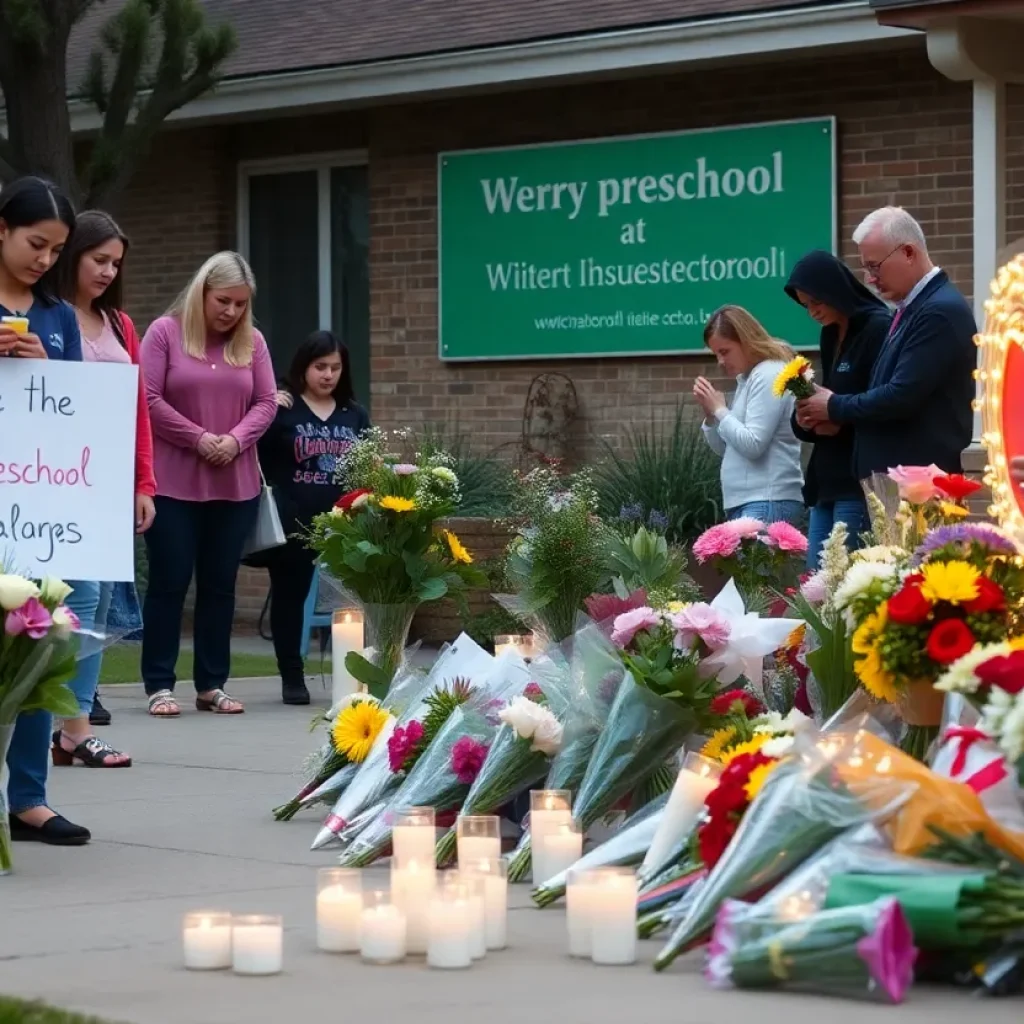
(393, 504)
(457, 548)
(955, 582)
(793, 369)
(871, 671)
(757, 779)
(719, 742)
(751, 746)
(356, 728)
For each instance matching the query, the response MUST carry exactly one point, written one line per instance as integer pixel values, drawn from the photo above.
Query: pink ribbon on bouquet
(965, 737)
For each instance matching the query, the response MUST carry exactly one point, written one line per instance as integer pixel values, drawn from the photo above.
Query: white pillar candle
(493, 874)
(477, 848)
(451, 927)
(549, 810)
(555, 851)
(206, 938)
(381, 930)
(412, 890)
(257, 944)
(339, 908)
(698, 778)
(346, 636)
(613, 895)
(476, 900)
(577, 912)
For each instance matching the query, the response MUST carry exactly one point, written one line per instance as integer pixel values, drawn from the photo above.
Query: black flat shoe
(58, 831)
(99, 714)
(294, 693)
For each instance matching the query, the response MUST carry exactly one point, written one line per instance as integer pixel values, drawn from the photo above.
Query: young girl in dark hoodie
(854, 325)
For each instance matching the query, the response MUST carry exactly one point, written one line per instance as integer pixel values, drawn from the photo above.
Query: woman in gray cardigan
(761, 471)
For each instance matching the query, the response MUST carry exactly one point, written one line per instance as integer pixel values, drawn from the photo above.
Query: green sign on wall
(624, 246)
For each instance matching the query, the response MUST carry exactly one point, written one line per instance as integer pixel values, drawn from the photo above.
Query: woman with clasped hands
(210, 386)
(761, 474)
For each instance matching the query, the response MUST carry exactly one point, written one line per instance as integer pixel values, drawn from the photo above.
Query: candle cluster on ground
(601, 915)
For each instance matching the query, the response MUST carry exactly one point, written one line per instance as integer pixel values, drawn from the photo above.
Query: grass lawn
(121, 665)
(15, 1011)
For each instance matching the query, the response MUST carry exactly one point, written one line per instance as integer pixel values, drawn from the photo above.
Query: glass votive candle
(493, 873)
(555, 850)
(450, 939)
(697, 779)
(613, 896)
(381, 929)
(414, 834)
(412, 890)
(257, 944)
(476, 897)
(478, 837)
(339, 909)
(578, 897)
(206, 940)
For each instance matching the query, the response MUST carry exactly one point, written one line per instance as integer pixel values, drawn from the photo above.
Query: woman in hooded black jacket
(854, 326)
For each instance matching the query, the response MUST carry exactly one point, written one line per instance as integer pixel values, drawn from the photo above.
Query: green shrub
(666, 468)
(485, 480)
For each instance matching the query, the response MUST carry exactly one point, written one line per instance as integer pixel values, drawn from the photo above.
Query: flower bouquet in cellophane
(529, 735)
(375, 778)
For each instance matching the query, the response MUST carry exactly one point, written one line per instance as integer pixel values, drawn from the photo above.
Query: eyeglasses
(873, 268)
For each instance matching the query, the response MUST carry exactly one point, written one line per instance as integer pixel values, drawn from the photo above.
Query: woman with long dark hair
(36, 219)
(90, 276)
(303, 458)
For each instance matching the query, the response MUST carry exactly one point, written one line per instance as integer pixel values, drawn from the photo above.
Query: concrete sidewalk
(189, 827)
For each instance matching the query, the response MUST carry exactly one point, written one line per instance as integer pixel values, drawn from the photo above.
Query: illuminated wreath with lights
(1002, 393)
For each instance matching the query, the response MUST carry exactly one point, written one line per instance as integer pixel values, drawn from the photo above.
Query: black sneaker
(99, 714)
(294, 692)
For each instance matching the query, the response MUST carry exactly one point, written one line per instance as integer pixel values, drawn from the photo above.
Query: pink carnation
(628, 624)
(916, 483)
(468, 756)
(813, 588)
(786, 538)
(402, 743)
(719, 541)
(701, 622)
(31, 618)
(746, 527)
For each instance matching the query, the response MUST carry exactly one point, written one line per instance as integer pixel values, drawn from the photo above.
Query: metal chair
(311, 618)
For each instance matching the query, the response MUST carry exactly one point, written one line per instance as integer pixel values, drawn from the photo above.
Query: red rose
(949, 640)
(1005, 671)
(713, 839)
(908, 606)
(990, 598)
(726, 704)
(956, 486)
(346, 501)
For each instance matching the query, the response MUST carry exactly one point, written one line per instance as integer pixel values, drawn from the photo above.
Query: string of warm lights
(1004, 326)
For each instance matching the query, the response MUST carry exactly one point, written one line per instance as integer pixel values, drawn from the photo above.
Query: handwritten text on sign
(67, 468)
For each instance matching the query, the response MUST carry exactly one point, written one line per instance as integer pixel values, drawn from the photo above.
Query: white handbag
(267, 531)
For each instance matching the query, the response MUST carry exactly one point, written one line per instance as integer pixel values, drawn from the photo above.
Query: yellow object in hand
(18, 324)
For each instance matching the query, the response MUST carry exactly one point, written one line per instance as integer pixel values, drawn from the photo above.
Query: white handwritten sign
(67, 468)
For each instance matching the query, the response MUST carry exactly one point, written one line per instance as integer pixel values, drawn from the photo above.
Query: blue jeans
(825, 515)
(207, 537)
(768, 511)
(28, 757)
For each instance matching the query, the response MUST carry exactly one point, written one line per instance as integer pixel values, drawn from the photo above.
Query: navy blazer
(918, 406)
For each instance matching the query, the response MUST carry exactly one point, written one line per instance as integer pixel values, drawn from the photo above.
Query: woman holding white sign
(91, 279)
(211, 391)
(36, 219)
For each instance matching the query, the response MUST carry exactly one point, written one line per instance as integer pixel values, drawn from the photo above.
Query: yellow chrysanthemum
(951, 510)
(751, 746)
(794, 368)
(757, 779)
(719, 742)
(955, 582)
(356, 728)
(456, 547)
(393, 504)
(796, 638)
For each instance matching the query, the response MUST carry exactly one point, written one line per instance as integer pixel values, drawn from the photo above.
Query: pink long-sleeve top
(191, 397)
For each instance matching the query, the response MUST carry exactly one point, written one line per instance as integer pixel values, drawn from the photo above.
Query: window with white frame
(304, 226)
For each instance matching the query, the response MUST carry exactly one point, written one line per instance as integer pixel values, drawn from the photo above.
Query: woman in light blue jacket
(761, 472)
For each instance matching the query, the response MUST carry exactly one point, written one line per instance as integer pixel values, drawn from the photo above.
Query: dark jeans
(208, 537)
(291, 575)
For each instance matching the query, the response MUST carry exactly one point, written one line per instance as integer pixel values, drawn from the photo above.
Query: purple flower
(989, 537)
(657, 520)
(631, 513)
(31, 618)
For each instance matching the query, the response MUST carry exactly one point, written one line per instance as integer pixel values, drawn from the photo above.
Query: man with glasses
(918, 407)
